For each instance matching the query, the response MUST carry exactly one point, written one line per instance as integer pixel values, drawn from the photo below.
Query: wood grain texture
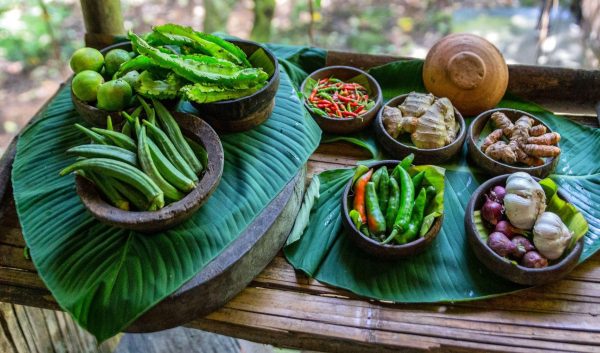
(286, 308)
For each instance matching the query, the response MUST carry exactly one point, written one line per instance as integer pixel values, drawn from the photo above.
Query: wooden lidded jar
(468, 70)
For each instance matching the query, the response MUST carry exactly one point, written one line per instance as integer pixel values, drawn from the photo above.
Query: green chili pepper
(355, 217)
(325, 95)
(318, 111)
(375, 219)
(415, 220)
(417, 180)
(383, 190)
(393, 203)
(407, 161)
(360, 170)
(407, 194)
(377, 176)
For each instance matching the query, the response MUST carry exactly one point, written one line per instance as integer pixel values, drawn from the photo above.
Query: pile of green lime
(93, 83)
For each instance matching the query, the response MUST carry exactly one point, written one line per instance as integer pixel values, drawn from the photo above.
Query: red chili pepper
(346, 113)
(359, 109)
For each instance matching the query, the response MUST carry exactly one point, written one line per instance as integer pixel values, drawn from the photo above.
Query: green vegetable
(126, 129)
(108, 190)
(415, 220)
(117, 138)
(393, 204)
(203, 93)
(96, 138)
(124, 172)
(407, 194)
(360, 170)
(375, 218)
(407, 161)
(172, 130)
(109, 124)
(168, 170)
(151, 86)
(152, 171)
(131, 194)
(207, 43)
(355, 217)
(139, 63)
(188, 70)
(417, 180)
(105, 151)
(150, 112)
(167, 147)
(383, 190)
(377, 176)
(199, 150)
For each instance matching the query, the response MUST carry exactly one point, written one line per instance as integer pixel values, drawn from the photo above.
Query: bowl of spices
(342, 99)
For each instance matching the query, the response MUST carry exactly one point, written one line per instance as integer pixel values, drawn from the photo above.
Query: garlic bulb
(525, 200)
(551, 236)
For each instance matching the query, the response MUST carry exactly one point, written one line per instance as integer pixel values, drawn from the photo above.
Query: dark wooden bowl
(400, 150)
(244, 113)
(174, 213)
(493, 167)
(502, 266)
(375, 248)
(97, 117)
(346, 126)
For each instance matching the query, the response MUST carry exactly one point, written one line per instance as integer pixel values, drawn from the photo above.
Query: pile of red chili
(337, 99)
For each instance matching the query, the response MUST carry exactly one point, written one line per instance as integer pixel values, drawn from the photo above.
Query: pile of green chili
(390, 206)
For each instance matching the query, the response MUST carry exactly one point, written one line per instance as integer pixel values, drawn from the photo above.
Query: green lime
(114, 95)
(114, 59)
(132, 78)
(86, 59)
(85, 85)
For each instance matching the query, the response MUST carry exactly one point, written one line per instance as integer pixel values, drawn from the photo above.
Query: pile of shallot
(516, 214)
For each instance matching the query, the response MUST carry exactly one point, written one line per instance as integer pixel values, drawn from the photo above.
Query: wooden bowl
(375, 248)
(174, 213)
(493, 167)
(346, 126)
(502, 266)
(467, 69)
(244, 113)
(397, 149)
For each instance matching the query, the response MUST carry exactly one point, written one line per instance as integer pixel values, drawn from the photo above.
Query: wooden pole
(103, 22)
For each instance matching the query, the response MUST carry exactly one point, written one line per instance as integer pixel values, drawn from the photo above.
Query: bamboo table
(285, 308)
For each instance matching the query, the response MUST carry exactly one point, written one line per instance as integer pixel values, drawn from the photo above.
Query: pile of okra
(145, 165)
(390, 206)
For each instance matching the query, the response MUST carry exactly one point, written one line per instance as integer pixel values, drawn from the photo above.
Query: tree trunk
(103, 22)
(263, 15)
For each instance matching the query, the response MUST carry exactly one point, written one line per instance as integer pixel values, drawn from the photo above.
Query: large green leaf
(106, 277)
(448, 270)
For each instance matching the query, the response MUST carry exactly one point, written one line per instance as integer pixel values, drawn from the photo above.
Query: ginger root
(430, 121)
(527, 144)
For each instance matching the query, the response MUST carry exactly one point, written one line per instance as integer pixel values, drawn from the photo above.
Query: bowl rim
(469, 214)
(345, 209)
(460, 138)
(136, 220)
(486, 115)
(377, 103)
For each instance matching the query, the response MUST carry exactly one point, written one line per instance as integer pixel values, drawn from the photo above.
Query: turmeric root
(492, 138)
(541, 150)
(550, 138)
(527, 144)
(537, 130)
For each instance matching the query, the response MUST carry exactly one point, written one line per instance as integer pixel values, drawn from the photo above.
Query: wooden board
(285, 308)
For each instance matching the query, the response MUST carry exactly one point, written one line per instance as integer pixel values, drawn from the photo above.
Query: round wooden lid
(468, 70)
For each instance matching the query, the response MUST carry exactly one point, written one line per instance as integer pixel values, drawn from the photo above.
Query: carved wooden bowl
(176, 212)
(502, 266)
(244, 113)
(397, 149)
(493, 167)
(346, 126)
(467, 69)
(372, 246)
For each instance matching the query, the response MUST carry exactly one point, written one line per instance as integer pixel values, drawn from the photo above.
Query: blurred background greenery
(38, 36)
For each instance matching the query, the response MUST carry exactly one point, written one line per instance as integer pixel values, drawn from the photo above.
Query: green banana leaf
(448, 270)
(106, 277)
